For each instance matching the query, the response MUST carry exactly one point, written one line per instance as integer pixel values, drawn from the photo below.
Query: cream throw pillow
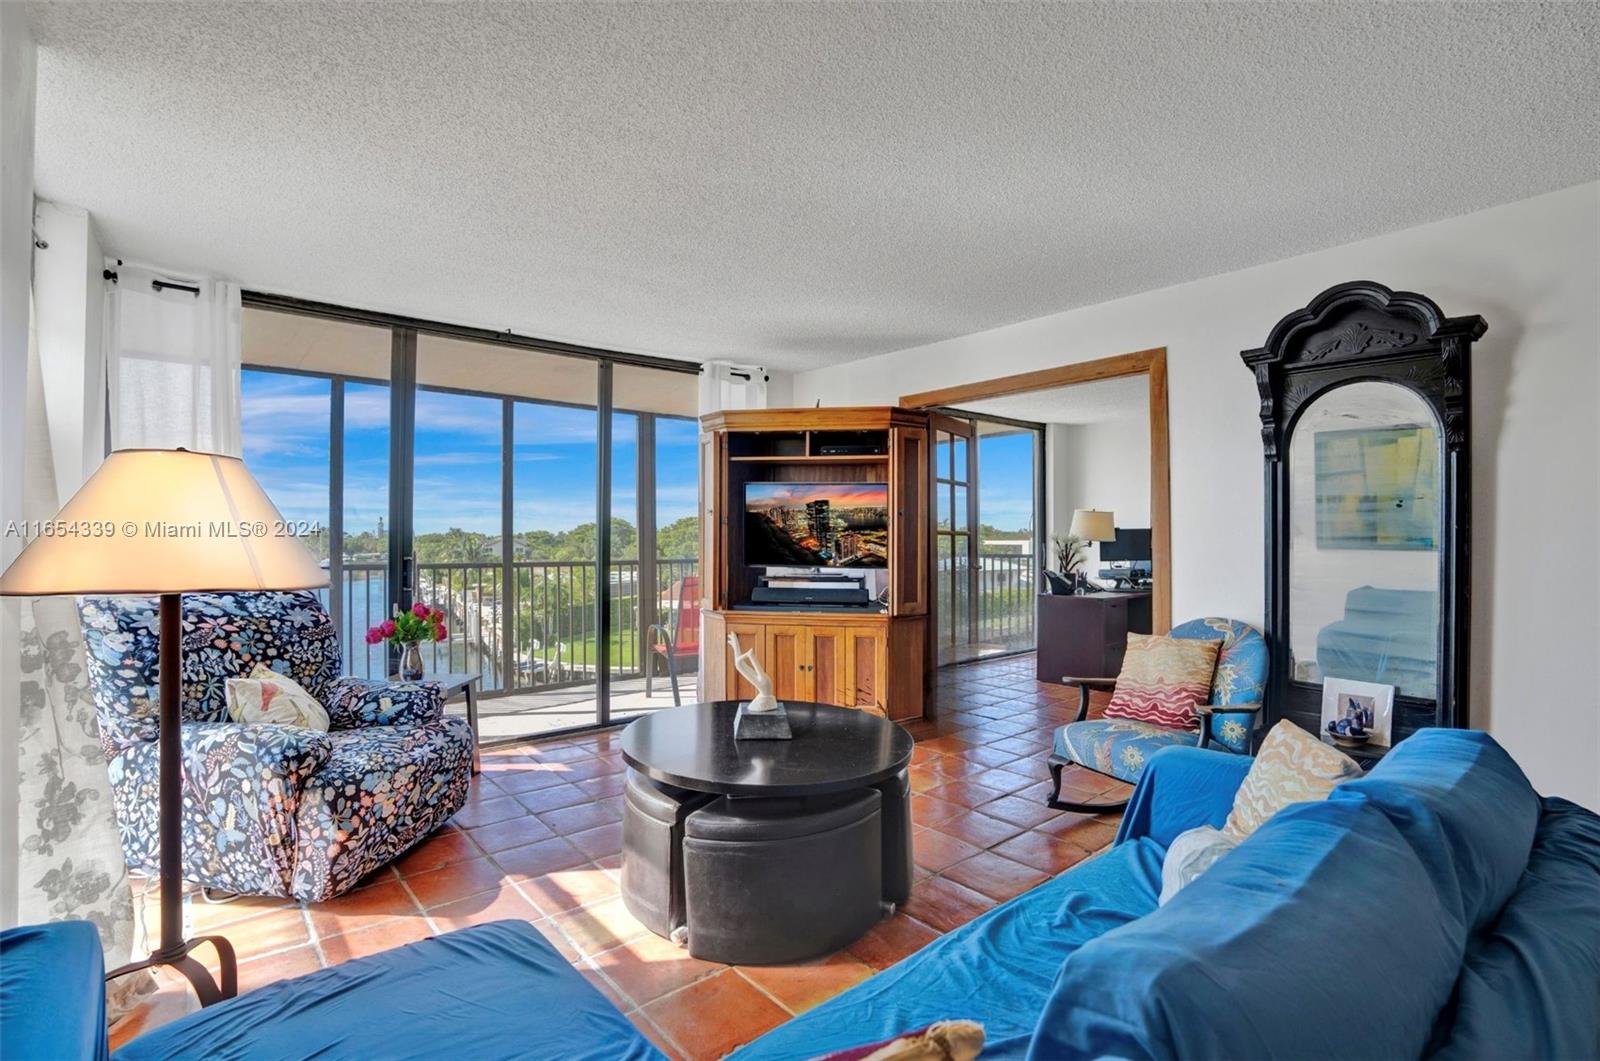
(1293, 766)
(273, 698)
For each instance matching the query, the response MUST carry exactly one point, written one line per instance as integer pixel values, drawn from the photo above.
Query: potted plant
(407, 630)
(1069, 557)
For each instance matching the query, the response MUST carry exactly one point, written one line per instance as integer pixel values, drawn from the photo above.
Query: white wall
(1105, 466)
(69, 297)
(17, 81)
(1532, 270)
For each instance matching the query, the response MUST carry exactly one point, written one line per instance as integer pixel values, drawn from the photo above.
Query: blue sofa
(1387, 635)
(1435, 908)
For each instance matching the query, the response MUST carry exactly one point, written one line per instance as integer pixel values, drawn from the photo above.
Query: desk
(1085, 635)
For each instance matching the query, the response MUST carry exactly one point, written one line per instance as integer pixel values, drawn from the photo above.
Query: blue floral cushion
(1119, 747)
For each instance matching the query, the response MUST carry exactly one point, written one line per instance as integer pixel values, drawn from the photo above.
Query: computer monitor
(1132, 543)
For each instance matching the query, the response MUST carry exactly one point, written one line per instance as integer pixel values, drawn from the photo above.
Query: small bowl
(1350, 740)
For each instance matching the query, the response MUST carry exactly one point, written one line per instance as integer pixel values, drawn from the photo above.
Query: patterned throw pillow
(946, 1040)
(270, 697)
(1163, 680)
(1293, 766)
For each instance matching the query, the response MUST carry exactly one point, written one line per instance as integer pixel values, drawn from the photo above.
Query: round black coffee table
(833, 749)
(765, 850)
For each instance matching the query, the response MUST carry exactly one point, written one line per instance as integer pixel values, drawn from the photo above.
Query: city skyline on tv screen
(816, 524)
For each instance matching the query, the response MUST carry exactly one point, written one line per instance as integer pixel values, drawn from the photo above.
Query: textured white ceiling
(796, 184)
(1124, 398)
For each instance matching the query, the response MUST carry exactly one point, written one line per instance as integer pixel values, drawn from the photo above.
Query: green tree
(679, 540)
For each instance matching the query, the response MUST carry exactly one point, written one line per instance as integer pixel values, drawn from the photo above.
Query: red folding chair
(679, 639)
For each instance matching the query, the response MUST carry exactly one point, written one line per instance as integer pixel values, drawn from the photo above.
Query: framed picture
(1373, 704)
(1377, 488)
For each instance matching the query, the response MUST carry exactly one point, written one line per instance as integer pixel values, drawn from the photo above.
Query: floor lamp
(160, 523)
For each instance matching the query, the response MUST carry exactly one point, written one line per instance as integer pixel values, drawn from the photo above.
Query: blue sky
(1005, 480)
(285, 427)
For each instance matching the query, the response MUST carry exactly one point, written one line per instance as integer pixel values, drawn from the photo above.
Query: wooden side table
(454, 685)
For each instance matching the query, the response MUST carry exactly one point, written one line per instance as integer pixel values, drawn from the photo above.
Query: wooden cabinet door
(786, 660)
(910, 538)
(751, 635)
(866, 664)
(825, 670)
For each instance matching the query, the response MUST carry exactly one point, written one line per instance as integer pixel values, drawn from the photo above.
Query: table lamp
(155, 522)
(1092, 525)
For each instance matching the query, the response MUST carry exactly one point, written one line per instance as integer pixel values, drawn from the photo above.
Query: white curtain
(172, 361)
(70, 864)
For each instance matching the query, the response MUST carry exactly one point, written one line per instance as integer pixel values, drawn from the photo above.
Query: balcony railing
(1007, 586)
(541, 634)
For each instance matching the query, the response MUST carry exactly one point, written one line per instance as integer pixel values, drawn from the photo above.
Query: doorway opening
(1079, 448)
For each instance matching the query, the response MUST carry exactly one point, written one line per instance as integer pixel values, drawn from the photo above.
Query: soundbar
(854, 595)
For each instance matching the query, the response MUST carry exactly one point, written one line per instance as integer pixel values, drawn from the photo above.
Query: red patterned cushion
(1163, 680)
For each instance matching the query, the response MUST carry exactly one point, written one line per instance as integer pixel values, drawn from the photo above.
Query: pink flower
(436, 615)
(420, 610)
(386, 628)
(440, 633)
(374, 636)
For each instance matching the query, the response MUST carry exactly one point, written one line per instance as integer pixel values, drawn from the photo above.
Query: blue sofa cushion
(996, 970)
(1530, 987)
(492, 991)
(1308, 900)
(52, 996)
(1467, 810)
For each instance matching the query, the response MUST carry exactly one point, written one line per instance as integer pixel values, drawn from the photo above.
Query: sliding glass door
(986, 499)
(545, 502)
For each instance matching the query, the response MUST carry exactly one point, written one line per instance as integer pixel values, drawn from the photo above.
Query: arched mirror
(1363, 412)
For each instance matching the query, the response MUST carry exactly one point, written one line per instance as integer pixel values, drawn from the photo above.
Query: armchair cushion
(241, 792)
(354, 703)
(1117, 747)
(382, 789)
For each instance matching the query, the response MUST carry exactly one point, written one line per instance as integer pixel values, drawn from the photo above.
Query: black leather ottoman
(652, 842)
(896, 812)
(782, 879)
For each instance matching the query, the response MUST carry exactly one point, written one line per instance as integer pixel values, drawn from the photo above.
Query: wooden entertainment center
(874, 657)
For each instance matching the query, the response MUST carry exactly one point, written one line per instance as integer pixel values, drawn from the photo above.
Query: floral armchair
(1120, 747)
(267, 809)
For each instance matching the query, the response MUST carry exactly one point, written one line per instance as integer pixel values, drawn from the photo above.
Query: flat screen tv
(816, 525)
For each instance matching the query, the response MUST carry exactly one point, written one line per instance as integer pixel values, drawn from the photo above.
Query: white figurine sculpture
(745, 663)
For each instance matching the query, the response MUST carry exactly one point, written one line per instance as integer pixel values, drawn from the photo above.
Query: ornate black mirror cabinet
(1364, 419)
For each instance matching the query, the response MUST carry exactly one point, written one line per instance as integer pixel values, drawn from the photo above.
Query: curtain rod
(159, 285)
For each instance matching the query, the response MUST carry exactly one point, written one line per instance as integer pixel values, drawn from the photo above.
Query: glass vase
(411, 661)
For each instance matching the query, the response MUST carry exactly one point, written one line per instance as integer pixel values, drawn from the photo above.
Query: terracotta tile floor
(540, 836)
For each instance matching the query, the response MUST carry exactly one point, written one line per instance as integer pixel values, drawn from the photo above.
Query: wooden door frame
(1151, 363)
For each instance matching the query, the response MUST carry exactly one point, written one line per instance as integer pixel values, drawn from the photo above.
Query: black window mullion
(602, 543)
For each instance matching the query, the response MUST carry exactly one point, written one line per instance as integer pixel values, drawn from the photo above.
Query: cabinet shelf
(853, 458)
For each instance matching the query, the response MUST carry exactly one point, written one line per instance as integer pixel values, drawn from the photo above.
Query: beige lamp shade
(1092, 525)
(153, 521)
